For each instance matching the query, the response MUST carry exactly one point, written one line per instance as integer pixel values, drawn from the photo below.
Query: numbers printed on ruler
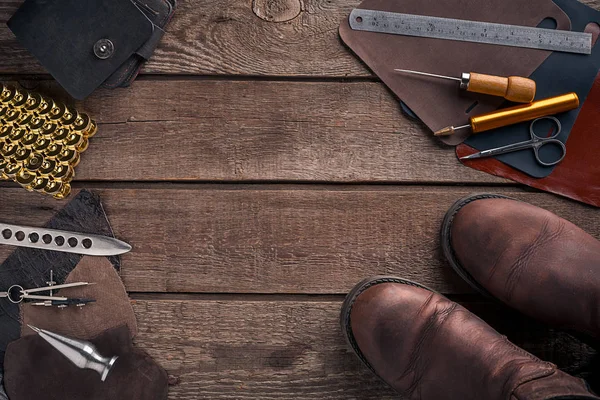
(470, 31)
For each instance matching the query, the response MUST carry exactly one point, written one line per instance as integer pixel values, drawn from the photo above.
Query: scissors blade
(472, 156)
(63, 241)
(501, 150)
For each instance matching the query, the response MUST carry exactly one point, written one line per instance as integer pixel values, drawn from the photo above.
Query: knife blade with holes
(64, 241)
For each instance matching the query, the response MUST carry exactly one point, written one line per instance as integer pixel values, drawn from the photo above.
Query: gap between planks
(276, 239)
(281, 185)
(225, 131)
(209, 37)
(46, 78)
(295, 349)
(258, 297)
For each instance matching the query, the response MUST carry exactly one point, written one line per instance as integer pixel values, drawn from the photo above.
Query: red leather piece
(578, 175)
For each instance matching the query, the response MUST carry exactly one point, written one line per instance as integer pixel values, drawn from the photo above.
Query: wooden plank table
(260, 170)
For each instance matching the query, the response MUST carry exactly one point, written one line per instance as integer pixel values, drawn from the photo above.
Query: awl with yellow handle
(513, 88)
(516, 114)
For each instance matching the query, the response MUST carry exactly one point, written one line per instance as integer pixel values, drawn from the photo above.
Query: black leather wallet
(88, 43)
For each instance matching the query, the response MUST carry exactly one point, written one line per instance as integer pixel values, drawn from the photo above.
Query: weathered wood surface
(293, 349)
(239, 37)
(263, 131)
(213, 130)
(237, 288)
(280, 238)
(228, 37)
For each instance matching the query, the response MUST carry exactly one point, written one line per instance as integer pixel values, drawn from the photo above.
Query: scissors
(536, 143)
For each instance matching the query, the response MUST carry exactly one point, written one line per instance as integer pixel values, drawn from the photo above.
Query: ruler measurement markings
(473, 31)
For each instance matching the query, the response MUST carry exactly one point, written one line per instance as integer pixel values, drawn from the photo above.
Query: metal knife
(58, 240)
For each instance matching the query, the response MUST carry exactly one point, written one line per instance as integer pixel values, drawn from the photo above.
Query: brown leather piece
(532, 260)
(428, 347)
(439, 103)
(36, 370)
(111, 309)
(578, 175)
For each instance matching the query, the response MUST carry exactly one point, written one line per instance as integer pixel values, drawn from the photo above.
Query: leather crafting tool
(470, 31)
(55, 301)
(64, 241)
(578, 175)
(516, 114)
(16, 294)
(85, 214)
(135, 375)
(536, 143)
(439, 104)
(561, 73)
(513, 88)
(111, 309)
(81, 353)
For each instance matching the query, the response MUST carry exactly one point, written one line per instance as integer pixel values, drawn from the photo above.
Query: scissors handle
(540, 141)
(536, 151)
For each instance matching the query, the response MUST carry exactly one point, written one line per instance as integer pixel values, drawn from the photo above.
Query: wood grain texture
(279, 239)
(293, 349)
(209, 37)
(213, 130)
(227, 37)
(277, 10)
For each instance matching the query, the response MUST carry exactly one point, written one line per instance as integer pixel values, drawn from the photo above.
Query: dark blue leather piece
(560, 73)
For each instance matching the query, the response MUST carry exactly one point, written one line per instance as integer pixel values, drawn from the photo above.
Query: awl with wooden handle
(516, 114)
(514, 88)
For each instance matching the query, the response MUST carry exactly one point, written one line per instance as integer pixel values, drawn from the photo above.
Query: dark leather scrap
(35, 370)
(31, 267)
(84, 44)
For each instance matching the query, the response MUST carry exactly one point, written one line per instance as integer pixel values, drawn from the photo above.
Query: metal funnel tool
(81, 353)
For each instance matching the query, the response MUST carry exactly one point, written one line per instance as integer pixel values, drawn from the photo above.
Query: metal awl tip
(450, 130)
(33, 328)
(408, 71)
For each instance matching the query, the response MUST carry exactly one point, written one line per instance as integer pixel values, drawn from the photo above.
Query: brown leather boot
(528, 258)
(429, 348)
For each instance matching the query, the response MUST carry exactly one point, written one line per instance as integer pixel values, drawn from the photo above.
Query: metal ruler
(470, 31)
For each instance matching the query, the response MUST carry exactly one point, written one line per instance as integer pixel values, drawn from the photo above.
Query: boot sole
(446, 238)
(345, 322)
